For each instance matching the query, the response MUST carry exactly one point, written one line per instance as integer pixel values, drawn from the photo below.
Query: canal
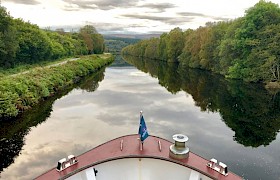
(234, 122)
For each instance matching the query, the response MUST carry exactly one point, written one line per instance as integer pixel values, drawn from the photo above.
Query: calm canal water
(235, 123)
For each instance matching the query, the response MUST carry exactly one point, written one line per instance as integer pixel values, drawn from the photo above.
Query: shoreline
(22, 92)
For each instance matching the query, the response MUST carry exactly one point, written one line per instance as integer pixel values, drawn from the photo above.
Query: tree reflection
(91, 83)
(248, 109)
(12, 132)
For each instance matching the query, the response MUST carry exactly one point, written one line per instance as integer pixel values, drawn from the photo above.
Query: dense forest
(246, 48)
(25, 43)
(115, 45)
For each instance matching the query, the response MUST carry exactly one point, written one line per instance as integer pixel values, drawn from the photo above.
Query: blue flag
(143, 132)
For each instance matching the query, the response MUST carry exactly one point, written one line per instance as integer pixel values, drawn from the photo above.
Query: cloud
(147, 17)
(179, 20)
(114, 27)
(221, 19)
(166, 20)
(192, 14)
(48, 153)
(76, 5)
(25, 2)
(161, 7)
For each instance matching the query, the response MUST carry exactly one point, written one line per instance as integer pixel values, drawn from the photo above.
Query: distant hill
(132, 36)
(114, 44)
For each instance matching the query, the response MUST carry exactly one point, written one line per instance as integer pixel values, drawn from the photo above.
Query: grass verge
(21, 92)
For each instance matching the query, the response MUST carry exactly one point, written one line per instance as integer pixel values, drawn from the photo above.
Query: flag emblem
(143, 132)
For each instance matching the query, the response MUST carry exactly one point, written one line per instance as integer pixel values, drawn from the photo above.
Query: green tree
(264, 60)
(228, 51)
(190, 54)
(8, 40)
(151, 49)
(162, 48)
(34, 44)
(98, 43)
(79, 44)
(88, 29)
(175, 44)
(253, 39)
(93, 40)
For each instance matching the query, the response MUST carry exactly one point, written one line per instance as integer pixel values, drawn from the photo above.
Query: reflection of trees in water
(9, 148)
(248, 109)
(90, 83)
(119, 62)
(12, 132)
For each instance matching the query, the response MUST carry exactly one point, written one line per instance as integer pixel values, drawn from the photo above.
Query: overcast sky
(140, 16)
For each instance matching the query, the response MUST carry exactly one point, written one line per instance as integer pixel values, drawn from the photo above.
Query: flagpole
(141, 142)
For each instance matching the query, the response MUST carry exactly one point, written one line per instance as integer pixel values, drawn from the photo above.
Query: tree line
(245, 48)
(25, 43)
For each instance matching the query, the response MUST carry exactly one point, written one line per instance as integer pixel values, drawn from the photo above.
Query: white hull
(139, 169)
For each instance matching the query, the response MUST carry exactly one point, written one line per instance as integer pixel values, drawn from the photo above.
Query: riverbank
(21, 92)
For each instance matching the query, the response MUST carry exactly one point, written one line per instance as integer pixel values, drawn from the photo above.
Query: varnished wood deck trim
(111, 150)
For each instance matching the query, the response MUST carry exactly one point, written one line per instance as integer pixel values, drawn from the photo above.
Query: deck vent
(179, 150)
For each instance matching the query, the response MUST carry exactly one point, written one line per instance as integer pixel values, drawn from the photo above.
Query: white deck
(139, 169)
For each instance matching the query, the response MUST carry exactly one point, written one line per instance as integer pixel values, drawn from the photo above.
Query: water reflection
(12, 132)
(83, 119)
(248, 109)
